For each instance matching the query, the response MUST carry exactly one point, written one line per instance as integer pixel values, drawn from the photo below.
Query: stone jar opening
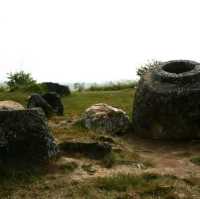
(178, 67)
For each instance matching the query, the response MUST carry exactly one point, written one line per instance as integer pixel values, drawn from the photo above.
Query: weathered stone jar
(167, 101)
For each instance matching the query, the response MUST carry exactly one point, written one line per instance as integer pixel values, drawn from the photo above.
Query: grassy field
(77, 102)
(136, 169)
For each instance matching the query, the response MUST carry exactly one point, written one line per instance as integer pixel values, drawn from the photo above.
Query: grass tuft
(69, 167)
(195, 160)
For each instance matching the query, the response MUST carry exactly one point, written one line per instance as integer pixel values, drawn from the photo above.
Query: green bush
(24, 82)
(20, 80)
(36, 88)
(195, 160)
(147, 67)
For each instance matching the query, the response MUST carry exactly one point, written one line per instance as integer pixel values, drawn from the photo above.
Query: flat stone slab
(92, 149)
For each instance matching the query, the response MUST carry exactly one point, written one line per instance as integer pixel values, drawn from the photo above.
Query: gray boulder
(54, 101)
(62, 90)
(25, 136)
(50, 103)
(166, 102)
(106, 119)
(37, 101)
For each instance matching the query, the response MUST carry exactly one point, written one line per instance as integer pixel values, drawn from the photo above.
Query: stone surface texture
(62, 90)
(92, 149)
(24, 135)
(54, 101)
(106, 119)
(167, 102)
(37, 101)
(10, 105)
(50, 103)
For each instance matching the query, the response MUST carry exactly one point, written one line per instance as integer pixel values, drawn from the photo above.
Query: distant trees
(79, 87)
(111, 86)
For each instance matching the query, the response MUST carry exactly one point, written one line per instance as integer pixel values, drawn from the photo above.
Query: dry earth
(65, 176)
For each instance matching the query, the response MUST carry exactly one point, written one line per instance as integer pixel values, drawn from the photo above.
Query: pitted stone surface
(106, 119)
(10, 105)
(166, 103)
(24, 135)
(37, 101)
(62, 90)
(55, 102)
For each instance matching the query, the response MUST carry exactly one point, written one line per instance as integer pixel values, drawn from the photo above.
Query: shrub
(36, 88)
(195, 160)
(23, 81)
(147, 67)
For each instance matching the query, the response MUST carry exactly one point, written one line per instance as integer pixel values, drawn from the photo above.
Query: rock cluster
(166, 103)
(55, 87)
(24, 135)
(106, 119)
(49, 102)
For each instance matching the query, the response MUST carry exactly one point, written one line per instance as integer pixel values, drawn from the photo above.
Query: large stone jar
(25, 136)
(167, 101)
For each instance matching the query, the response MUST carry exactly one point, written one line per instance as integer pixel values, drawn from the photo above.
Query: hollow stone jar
(167, 101)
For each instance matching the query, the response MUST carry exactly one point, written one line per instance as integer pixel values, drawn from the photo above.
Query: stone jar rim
(187, 71)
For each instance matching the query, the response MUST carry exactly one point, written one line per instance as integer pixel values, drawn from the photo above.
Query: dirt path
(166, 158)
(169, 157)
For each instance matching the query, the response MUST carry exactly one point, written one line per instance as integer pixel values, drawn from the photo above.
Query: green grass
(54, 181)
(195, 160)
(123, 182)
(17, 176)
(69, 167)
(146, 186)
(76, 103)
(17, 96)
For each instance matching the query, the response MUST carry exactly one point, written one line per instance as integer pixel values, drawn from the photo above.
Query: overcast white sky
(95, 40)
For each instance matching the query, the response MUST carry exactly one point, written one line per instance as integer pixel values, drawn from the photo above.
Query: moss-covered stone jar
(167, 101)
